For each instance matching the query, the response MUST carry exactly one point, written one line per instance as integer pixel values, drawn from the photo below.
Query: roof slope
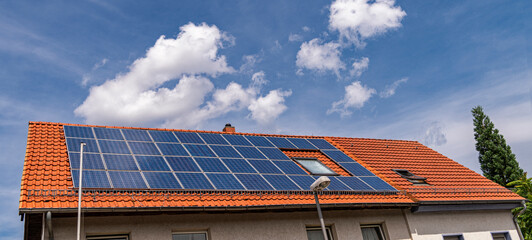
(47, 181)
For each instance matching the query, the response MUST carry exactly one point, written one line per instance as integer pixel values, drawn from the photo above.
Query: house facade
(142, 183)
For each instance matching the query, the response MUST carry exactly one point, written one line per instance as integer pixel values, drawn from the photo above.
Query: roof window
(416, 180)
(314, 166)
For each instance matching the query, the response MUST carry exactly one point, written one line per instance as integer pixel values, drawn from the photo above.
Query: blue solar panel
(355, 183)
(161, 180)
(259, 141)
(113, 147)
(264, 166)
(356, 169)
(108, 133)
(238, 165)
(281, 142)
(188, 137)
(90, 161)
(378, 184)
(225, 181)
(301, 143)
(250, 152)
(91, 179)
(225, 151)
(73, 145)
(163, 136)
(145, 148)
(303, 181)
(253, 182)
(194, 181)
(321, 143)
(338, 156)
(289, 167)
(281, 182)
(211, 165)
(274, 153)
(211, 138)
(152, 163)
(337, 185)
(79, 132)
(120, 162)
(199, 150)
(121, 179)
(183, 164)
(136, 135)
(172, 149)
(237, 140)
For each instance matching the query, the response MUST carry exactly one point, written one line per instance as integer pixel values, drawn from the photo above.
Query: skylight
(416, 180)
(314, 166)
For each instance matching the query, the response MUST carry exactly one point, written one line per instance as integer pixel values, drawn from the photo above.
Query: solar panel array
(151, 159)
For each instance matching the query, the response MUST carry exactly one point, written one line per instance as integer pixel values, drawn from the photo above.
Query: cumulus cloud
(266, 109)
(359, 66)
(321, 57)
(258, 79)
(139, 97)
(389, 90)
(295, 37)
(355, 96)
(357, 20)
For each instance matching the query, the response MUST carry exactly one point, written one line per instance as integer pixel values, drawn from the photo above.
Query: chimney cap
(228, 125)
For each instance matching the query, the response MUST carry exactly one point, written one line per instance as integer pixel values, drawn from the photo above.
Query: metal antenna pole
(80, 189)
(321, 216)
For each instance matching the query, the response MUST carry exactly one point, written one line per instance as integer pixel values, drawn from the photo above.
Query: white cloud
(434, 135)
(86, 78)
(321, 57)
(266, 109)
(357, 20)
(355, 96)
(306, 29)
(258, 79)
(389, 90)
(249, 63)
(295, 37)
(359, 66)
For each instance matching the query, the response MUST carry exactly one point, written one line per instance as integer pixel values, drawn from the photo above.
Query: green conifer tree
(497, 161)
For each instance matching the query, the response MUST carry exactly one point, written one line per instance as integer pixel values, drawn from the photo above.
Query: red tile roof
(47, 182)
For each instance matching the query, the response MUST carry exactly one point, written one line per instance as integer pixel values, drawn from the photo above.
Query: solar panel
(356, 169)
(73, 145)
(136, 135)
(253, 182)
(281, 182)
(355, 183)
(152, 163)
(199, 150)
(225, 151)
(194, 181)
(321, 143)
(337, 185)
(163, 136)
(90, 161)
(91, 179)
(237, 140)
(338, 156)
(378, 184)
(183, 164)
(188, 137)
(303, 181)
(161, 180)
(121, 179)
(108, 133)
(250, 152)
(120, 162)
(281, 142)
(259, 141)
(172, 149)
(113, 147)
(211, 165)
(289, 167)
(301, 143)
(225, 181)
(145, 148)
(78, 132)
(238, 165)
(274, 153)
(264, 166)
(210, 138)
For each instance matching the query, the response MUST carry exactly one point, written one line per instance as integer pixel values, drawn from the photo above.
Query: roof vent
(416, 180)
(228, 128)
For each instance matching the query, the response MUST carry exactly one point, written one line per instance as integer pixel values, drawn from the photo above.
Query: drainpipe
(49, 225)
(515, 220)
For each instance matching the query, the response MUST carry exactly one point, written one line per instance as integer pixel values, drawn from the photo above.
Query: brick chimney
(228, 128)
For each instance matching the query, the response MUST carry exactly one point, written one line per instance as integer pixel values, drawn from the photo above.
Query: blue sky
(397, 70)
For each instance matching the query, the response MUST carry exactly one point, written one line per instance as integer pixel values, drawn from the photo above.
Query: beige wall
(291, 225)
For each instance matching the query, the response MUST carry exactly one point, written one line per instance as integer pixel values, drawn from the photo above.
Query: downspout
(515, 220)
(49, 225)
